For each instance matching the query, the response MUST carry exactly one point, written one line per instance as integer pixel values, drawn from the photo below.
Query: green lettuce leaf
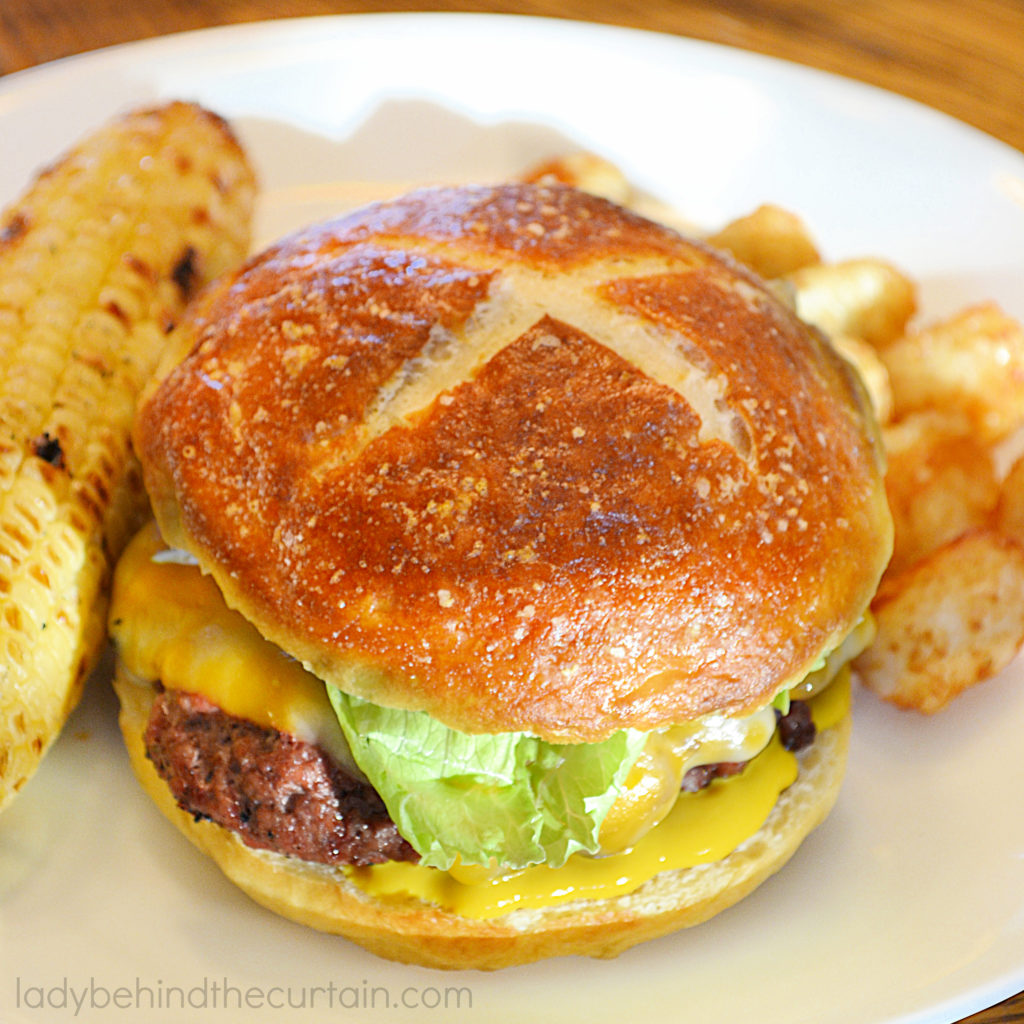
(505, 798)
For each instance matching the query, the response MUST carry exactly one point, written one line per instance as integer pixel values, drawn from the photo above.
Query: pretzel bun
(523, 460)
(526, 462)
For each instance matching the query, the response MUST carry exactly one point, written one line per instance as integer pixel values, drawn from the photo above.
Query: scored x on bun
(511, 460)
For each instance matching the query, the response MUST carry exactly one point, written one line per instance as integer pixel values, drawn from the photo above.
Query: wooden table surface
(964, 58)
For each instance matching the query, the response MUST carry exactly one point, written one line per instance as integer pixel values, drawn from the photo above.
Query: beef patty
(277, 792)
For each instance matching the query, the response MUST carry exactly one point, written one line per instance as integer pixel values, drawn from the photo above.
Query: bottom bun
(413, 931)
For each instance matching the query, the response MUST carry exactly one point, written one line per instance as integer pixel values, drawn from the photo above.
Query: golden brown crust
(523, 460)
(421, 933)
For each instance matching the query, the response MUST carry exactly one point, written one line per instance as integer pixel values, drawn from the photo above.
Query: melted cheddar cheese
(700, 828)
(170, 623)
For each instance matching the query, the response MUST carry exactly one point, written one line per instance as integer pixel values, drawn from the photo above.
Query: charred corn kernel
(96, 261)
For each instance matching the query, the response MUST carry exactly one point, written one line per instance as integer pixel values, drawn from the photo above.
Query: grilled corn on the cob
(96, 261)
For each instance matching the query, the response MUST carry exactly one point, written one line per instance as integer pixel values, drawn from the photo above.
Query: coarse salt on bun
(522, 460)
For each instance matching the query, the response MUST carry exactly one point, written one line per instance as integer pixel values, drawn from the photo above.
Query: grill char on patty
(275, 791)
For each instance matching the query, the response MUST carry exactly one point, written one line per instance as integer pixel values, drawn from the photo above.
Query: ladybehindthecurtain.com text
(92, 995)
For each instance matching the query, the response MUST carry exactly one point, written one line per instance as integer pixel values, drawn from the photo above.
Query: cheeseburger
(509, 552)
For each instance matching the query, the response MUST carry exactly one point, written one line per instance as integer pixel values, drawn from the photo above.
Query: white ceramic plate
(908, 904)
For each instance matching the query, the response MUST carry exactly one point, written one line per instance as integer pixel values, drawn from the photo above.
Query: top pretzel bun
(521, 459)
